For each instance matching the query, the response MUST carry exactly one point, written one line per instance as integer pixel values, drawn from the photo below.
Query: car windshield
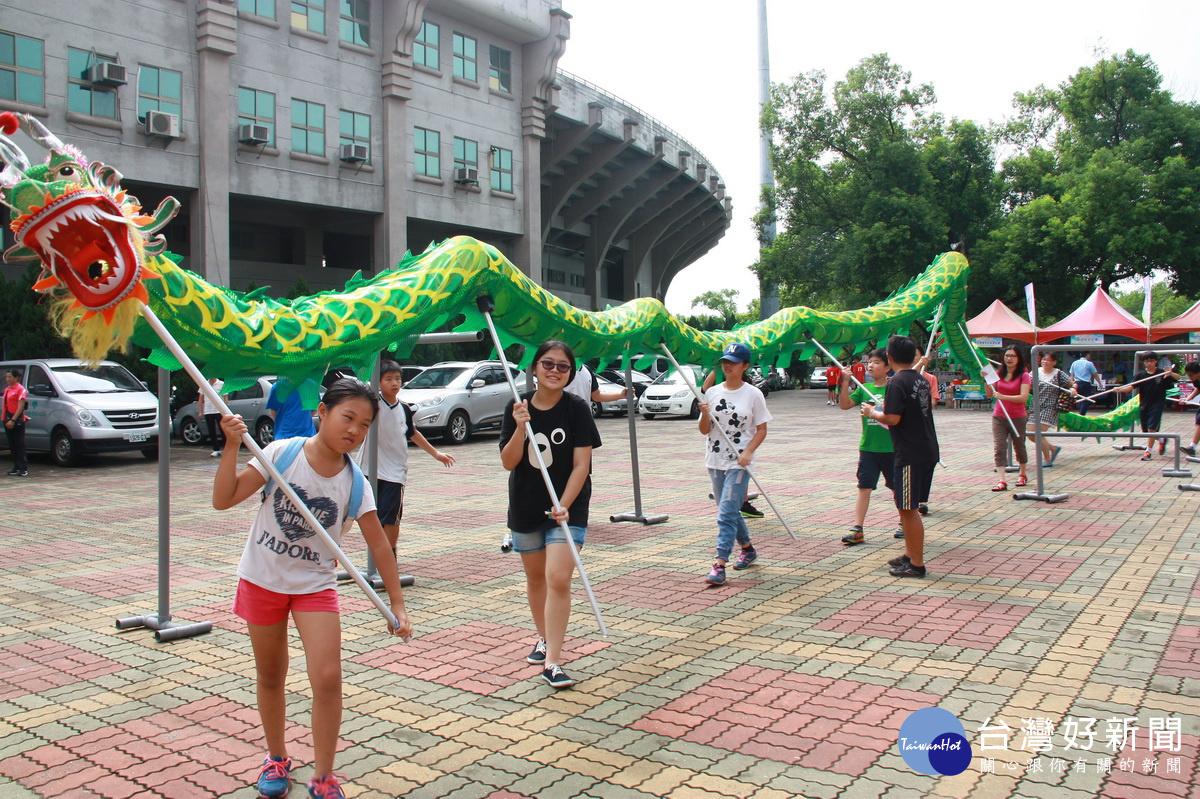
(676, 378)
(436, 377)
(618, 375)
(101, 380)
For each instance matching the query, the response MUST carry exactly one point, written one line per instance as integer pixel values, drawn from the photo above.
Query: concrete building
(315, 138)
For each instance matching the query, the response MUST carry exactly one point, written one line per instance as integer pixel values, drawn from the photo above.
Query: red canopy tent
(1000, 320)
(1098, 314)
(1186, 322)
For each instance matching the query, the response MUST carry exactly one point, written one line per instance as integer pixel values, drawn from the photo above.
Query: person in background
(1052, 383)
(1085, 374)
(15, 398)
(211, 417)
(833, 380)
(291, 417)
(1009, 415)
(1152, 398)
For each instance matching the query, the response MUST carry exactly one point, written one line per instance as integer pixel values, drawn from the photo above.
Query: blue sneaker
(538, 655)
(325, 788)
(745, 558)
(716, 576)
(273, 780)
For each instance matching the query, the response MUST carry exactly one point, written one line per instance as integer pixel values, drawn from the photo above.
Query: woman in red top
(1011, 393)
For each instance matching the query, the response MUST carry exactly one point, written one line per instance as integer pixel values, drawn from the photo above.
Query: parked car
(640, 379)
(816, 378)
(670, 394)
(409, 372)
(249, 403)
(454, 399)
(77, 410)
(617, 407)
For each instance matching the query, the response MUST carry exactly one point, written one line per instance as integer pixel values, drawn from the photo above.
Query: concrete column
(216, 43)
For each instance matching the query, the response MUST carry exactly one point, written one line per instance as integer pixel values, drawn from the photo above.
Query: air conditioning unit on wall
(466, 176)
(106, 73)
(254, 134)
(161, 123)
(354, 153)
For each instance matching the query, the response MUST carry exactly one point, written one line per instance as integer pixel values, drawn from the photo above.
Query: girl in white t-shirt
(284, 568)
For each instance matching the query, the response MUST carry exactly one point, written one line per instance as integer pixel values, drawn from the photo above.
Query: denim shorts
(536, 542)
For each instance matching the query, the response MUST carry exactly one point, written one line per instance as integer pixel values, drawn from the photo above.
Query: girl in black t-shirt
(565, 435)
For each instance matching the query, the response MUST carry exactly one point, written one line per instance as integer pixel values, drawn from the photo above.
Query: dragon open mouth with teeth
(73, 217)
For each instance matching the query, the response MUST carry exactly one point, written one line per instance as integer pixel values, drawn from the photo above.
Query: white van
(75, 411)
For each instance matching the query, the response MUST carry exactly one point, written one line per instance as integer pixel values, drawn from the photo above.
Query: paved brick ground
(791, 680)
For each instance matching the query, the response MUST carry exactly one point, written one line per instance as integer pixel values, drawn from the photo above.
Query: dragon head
(90, 236)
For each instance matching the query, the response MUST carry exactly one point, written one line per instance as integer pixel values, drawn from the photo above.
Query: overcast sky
(693, 65)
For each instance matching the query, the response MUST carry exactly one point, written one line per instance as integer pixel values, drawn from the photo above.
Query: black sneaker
(751, 512)
(22, 473)
(555, 677)
(923, 509)
(538, 655)
(1188, 449)
(907, 570)
(900, 561)
(13, 472)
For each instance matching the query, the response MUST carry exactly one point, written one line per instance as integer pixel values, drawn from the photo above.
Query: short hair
(902, 349)
(553, 344)
(1049, 354)
(1149, 356)
(388, 367)
(878, 352)
(1192, 367)
(14, 372)
(348, 388)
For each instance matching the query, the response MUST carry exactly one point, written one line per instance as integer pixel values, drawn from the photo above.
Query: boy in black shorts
(1152, 398)
(1192, 371)
(908, 413)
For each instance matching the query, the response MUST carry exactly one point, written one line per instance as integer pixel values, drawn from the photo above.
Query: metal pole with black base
(631, 404)
(160, 622)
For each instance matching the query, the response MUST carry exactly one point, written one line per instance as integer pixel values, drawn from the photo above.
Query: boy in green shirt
(875, 454)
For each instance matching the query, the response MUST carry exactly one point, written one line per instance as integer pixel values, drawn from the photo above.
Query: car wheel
(264, 431)
(63, 450)
(150, 453)
(647, 415)
(597, 410)
(694, 412)
(190, 432)
(458, 428)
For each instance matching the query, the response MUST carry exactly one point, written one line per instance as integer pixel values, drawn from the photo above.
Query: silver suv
(249, 403)
(454, 399)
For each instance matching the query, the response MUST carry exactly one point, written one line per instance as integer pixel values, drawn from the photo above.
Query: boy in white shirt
(741, 411)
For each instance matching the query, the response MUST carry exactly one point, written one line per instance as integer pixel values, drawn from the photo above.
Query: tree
(1106, 186)
(724, 302)
(1164, 303)
(872, 184)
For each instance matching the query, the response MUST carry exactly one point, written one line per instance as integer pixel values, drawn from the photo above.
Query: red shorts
(258, 605)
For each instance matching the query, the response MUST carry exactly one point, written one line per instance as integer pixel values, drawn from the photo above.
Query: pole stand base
(164, 630)
(1176, 473)
(1051, 498)
(637, 517)
(1011, 469)
(1189, 487)
(1192, 459)
(1126, 447)
(374, 580)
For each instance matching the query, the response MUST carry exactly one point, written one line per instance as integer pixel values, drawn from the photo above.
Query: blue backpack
(288, 455)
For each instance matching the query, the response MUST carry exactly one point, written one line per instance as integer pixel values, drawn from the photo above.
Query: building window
(159, 90)
(355, 128)
(308, 15)
(82, 96)
(427, 49)
(22, 69)
(426, 152)
(554, 276)
(355, 23)
(466, 154)
(500, 69)
(501, 170)
(308, 127)
(259, 8)
(257, 108)
(577, 281)
(464, 58)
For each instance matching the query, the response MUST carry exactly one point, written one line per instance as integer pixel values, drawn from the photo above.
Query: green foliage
(1164, 303)
(27, 332)
(301, 289)
(871, 184)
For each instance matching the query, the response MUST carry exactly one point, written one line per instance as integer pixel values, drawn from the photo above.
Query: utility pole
(768, 294)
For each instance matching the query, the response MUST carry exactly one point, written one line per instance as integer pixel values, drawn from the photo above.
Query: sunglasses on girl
(551, 366)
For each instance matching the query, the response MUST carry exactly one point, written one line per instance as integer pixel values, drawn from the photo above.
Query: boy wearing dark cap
(740, 410)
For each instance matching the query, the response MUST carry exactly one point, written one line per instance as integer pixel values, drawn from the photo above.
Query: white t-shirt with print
(392, 429)
(282, 554)
(739, 413)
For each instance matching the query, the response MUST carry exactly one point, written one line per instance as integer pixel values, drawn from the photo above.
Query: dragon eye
(66, 171)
